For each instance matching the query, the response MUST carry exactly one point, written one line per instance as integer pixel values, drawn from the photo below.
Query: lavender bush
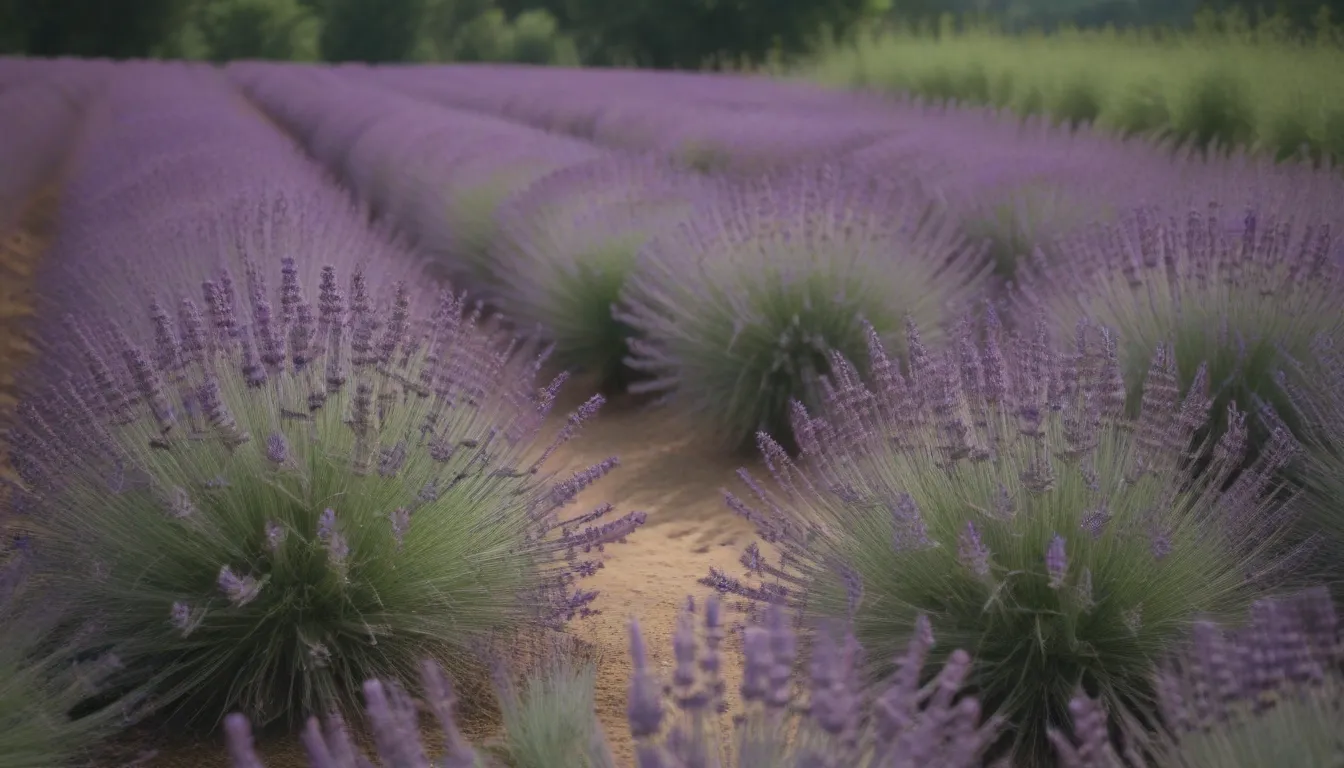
(1266, 694)
(264, 506)
(1019, 184)
(1014, 505)
(549, 719)
(1018, 212)
(1236, 294)
(566, 244)
(906, 726)
(737, 309)
(1317, 391)
(459, 209)
(42, 681)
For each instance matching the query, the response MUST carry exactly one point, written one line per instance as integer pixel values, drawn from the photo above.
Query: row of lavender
(280, 494)
(263, 458)
(40, 108)
(723, 312)
(736, 299)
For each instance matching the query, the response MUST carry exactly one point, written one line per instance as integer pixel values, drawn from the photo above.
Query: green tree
(370, 30)
(477, 30)
(116, 29)
(690, 33)
(259, 29)
(537, 39)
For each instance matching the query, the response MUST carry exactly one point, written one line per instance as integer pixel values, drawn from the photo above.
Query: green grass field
(1234, 85)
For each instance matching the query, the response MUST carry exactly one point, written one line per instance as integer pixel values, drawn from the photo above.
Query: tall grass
(1227, 82)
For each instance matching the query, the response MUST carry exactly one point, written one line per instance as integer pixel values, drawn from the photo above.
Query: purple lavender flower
(1237, 291)
(972, 550)
(327, 537)
(1318, 400)
(240, 590)
(567, 242)
(277, 448)
(738, 310)
(935, 437)
(275, 536)
(1260, 694)
(1056, 561)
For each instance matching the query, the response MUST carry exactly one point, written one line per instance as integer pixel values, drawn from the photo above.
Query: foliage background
(651, 33)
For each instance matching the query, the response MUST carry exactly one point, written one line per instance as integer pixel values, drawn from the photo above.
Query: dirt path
(666, 472)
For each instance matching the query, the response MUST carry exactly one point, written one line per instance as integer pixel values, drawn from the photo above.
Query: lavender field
(555, 418)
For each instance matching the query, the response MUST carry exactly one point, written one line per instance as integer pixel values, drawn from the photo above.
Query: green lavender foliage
(566, 245)
(550, 717)
(1316, 388)
(736, 311)
(43, 680)
(1016, 506)
(1241, 292)
(261, 516)
(1264, 693)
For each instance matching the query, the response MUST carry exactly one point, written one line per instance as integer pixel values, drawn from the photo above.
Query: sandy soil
(668, 473)
(664, 471)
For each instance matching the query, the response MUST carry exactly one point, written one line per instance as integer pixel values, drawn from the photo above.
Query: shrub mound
(272, 502)
(1012, 503)
(737, 311)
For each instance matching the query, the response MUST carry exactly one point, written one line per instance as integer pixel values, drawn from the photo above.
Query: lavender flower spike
(265, 488)
(1107, 537)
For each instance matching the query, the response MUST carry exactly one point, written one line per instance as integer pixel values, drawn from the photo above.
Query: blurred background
(647, 33)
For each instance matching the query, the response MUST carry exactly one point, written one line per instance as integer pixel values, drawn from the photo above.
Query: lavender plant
(1317, 392)
(264, 509)
(906, 726)
(567, 243)
(456, 216)
(1017, 217)
(1268, 693)
(394, 720)
(1013, 504)
(738, 308)
(549, 719)
(42, 682)
(1239, 297)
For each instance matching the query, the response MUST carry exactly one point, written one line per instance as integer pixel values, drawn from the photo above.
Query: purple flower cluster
(437, 173)
(1316, 389)
(738, 310)
(905, 724)
(266, 457)
(1240, 292)
(567, 244)
(997, 486)
(1266, 692)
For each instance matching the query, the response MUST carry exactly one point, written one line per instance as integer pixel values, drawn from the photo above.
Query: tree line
(651, 33)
